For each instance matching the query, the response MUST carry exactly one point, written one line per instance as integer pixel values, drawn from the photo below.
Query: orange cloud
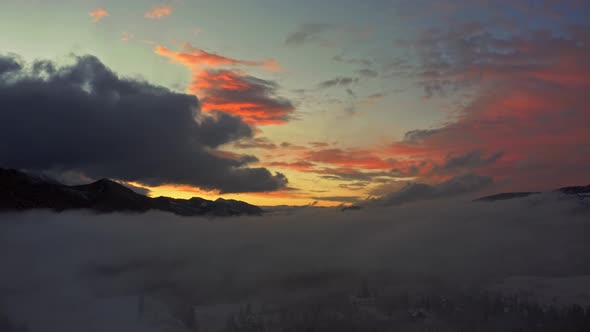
(298, 165)
(251, 98)
(195, 57)
(158, 12)
(363, 159)
(98, 14)
(231, 90)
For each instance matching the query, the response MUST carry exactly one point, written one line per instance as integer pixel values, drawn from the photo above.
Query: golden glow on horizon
(285, 197)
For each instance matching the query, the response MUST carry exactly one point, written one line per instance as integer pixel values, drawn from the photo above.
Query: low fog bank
(49, 258)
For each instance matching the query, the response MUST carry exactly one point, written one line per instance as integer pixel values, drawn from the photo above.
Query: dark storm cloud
(84, 118)
(8, 64)
(413, 192)
(221, 129)
(306, 33)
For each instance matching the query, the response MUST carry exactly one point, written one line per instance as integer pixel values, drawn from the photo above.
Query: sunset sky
(298, 102)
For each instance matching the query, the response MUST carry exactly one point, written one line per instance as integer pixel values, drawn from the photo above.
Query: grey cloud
(376, 95)
(346, 199)
(84, 118)
(414, 136)
(368, 73)
(413, 192)
(255, 143)
(334, 174)
(342, 58)
(467, 161)
(306, 33)
(338, 81)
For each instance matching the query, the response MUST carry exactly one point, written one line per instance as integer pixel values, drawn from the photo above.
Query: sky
(298, 102)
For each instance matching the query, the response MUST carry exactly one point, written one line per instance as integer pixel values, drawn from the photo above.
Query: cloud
(413, 192)
(468, 161)
(127, 36)
(306, 33)
(253, 99)
(84, 118)
(9, 65)
(298, 165)
(527, 99)
(344, 199)
(195, 57)
(369, 73)
(428, 247)
(351, 174)
(342, 58)
(417, 135)
(363, 159)
(319, 144)
(255, 143)
(158, 12)
(98, 14)
(231, 90)
(338, 81)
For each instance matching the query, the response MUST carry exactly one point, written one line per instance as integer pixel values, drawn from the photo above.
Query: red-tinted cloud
(362, 159)
(232, 90)
(251, 98)
(532, 104)
(195, 57)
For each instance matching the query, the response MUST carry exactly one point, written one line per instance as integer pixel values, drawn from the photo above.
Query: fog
(53, 261)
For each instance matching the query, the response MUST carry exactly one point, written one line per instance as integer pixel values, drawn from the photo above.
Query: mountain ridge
(21, 191)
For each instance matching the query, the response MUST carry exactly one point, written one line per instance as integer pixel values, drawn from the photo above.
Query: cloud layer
(83, 117)
(309, 252)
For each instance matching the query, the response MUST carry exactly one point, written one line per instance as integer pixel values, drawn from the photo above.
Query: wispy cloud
(98, 14)
(127, 36)
(306, 33)
(158, 12)
(196, 57)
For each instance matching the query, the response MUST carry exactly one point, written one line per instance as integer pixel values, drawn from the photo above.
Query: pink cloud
(98, 14)
(158, 12)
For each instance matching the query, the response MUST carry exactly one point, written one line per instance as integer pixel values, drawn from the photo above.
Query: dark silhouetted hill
(22, 191)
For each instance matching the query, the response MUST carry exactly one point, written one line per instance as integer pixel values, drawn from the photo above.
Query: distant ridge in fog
(581, 191)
